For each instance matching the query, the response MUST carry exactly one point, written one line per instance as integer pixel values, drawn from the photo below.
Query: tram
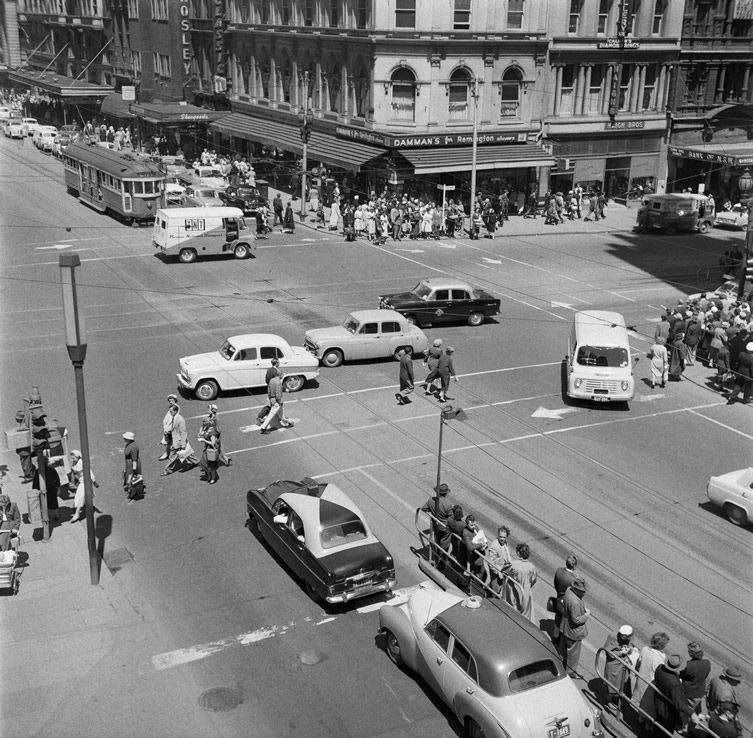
(117, 182)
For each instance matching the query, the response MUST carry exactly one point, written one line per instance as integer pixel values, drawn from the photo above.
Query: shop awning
(174, 113)
(58, 85)
(115, 106)
(325, 147)
(503, 156)
(734, 154)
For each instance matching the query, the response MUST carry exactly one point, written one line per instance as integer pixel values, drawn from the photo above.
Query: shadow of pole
(102, 530)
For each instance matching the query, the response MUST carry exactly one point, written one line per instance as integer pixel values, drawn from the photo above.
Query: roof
(119, 163)
(201, 212)
(376, 314)
(270, 338)
(439, 283)
(605, 328)
(459, 159)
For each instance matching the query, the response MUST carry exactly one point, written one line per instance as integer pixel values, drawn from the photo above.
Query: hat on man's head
(675, 663)
(733, 674)
(443, 489)
(579, 584)
(437, 342)
(76, 453)
(128, 436)
(212, 408)
(174, 398)
(626, 630)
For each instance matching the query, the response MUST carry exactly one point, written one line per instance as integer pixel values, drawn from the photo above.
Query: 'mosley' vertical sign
(184, 9)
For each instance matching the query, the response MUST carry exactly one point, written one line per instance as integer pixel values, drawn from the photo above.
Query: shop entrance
(616, 178)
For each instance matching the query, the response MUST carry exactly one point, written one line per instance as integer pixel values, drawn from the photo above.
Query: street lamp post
(474, 146)
(75, 341)
(745, 185)
(305, 119)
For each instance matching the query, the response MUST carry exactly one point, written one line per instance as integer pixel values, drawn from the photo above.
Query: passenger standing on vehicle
(431, 362)
(619, 652)
(695, 674)
(574, 629)
(277, 206)
(456, 523)
(445, 370)
(524, 573)
(672, 708)
(132, 479)
(500, 561)
(406, 376)
(440, 508)
(475, 543)
(722, 687)
(167, 428)
(649, 659)
(564, 576)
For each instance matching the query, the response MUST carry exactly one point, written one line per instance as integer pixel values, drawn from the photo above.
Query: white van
(599, 363)
(191, 232)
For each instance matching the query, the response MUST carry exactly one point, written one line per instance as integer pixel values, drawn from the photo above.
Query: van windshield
(614, 356)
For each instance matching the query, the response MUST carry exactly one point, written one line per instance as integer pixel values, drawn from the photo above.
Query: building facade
(711, 140)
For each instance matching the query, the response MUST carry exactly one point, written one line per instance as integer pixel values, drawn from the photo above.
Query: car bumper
(341, 598)
(183, 383)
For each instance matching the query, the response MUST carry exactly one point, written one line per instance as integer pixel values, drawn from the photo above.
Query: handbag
(551, 604)
(184, 453)
(211, 453)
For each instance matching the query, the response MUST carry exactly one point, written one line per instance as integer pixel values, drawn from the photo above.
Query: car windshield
(533, 675)
(422, 290)
(350, 324)
(227, 350)
(602, 356)
(341, 533)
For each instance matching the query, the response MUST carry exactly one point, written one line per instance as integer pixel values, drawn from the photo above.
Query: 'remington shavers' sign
(432, 141)
(711, 156)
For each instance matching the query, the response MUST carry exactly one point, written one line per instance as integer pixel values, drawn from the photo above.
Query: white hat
(749, 346)
(76, 453)
(212, 407)
(437, 342)
(626, 630)
(128, 436)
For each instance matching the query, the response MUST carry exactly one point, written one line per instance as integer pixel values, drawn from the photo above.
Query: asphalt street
(200, 605)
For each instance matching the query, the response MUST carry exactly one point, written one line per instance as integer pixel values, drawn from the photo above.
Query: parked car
(72, 129)
(15, 129)
(735, 218)
(733, 492)
(44, 136)
(30, 125)
(440, 300)
(497, 672)
(320, 534)
(202, 175)
(242, 361)
(365, 334)
(245, 197)
(202, 197)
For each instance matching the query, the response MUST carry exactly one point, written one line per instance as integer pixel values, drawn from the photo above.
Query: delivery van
(192, 232)
(676, 212)
(599, 362)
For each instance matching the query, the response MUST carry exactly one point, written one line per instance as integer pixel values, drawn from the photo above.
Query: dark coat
(563, 578)
(672, 708)
(693, 333)
(288, 220)
(406, 370)
(744, 366)
(694, 677)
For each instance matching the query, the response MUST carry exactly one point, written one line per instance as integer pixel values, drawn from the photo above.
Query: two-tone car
(242, 362)
(202, 197)
(735, 217)
(365, 334)
(323, 538)
(497, 672)
(733, 492)
(440, 300)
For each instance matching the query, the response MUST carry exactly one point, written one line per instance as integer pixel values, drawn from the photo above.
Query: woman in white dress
(334, 215)
(76, 482)
(650, 658)
(358, 224)
(659, 362)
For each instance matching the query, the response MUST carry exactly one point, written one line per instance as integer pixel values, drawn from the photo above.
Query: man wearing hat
(431, 361)
(167, 427)
(133, 482)
(573, 626)
(743, 375)
(440, 508)
(620, 653)
(445, 370)
(10, 521)
(672, 708)
(722, 687)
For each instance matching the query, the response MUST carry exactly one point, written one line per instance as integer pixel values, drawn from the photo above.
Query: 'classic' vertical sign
(184, 11)
(219, 38)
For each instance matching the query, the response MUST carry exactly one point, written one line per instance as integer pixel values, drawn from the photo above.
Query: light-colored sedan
(15, 129)
(491, 666)
(365, 334)
(733, 492)
(202, 197)
(735, 218)
(242, 362)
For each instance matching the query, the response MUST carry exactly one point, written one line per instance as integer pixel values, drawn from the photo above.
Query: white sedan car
(733, 492)
(735, 218)
(242, 362)
(491, 666)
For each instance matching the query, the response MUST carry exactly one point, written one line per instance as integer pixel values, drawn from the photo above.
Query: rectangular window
(515, 10)
(657, 22)
(567, 90)
(361, 13)
(308, 13)
(603, 19)
(625, 79)
(462, 18)
(136, 62)
(334, 13)
(405, 13)
(593, 104)
(573, 23)
(264, 13)
(649, 88)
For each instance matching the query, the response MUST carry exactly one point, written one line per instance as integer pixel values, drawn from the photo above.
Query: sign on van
(195, 224)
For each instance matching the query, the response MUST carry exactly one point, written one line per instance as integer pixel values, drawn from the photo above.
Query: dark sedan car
(247, 198)
(442, 301)
(317, 530)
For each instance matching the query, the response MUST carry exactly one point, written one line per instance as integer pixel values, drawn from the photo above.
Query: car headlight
(578, 382)
(681, 212)
(624, 384)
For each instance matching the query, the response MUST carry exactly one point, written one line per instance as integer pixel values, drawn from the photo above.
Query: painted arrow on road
(648, 398)
(542, 412)
(57, 247)
(412, 251)
(566, 305)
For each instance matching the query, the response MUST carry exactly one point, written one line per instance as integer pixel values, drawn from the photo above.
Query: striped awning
(459, 159)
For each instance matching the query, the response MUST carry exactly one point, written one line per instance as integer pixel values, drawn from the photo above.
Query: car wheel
(735, 514)
(703, 226)
(672, 229)
(242, 251)
(294, 383)
(206, 390)
(332, 358)
(392, 646)
(187, 256)
(412, 319)
(476, 319)
(398, 350)
(473, 729)
(254, 527)
(312, 593)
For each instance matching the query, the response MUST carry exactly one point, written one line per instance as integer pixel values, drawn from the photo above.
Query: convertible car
(317, 530)
(490, 665)
(733, 492)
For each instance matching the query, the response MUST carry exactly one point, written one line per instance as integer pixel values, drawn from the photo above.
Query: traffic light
(749, 268)
(39, 433)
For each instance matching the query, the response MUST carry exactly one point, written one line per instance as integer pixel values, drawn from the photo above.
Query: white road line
(622, 297)
(387, 490)
(723, 425)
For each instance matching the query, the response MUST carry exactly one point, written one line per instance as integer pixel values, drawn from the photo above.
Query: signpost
(445, 189)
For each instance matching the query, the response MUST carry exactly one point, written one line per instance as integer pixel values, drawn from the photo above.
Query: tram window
(138, 188)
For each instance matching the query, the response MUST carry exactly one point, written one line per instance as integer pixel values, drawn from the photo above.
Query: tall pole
(436, 488)
(748, 255)
(305, 133)
(474, 146)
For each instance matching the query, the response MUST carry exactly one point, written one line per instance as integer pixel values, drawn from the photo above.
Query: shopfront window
(459, 92)
(403, 95)
(510, 94)
(733, 83)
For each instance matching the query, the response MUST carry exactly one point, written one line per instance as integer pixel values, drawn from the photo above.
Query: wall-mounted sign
(624, 125)
(618, 43)
(432, 141)
(184, 12)
(711, 156)
(128, 93)
(219, 38)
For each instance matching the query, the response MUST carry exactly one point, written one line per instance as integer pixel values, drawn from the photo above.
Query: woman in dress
(334, 215)
(288, 220)
(659, 362)
(677, 357)
(358, 223)
(649, 659)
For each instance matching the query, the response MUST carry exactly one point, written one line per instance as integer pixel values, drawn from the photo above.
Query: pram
(9, 570)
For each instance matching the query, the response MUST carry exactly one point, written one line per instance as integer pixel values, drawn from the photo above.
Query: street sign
(445, 187)
(128, 93)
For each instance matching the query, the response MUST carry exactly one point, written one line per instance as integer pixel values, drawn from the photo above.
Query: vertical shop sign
(184, 11)
(219, 44)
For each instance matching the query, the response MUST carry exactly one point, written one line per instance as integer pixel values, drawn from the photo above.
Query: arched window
(403, 95)
(510, 93)
(459, 92)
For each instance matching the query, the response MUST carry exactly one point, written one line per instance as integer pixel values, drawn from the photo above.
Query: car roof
(600, 327)
(200, 212)
(517, 641)
(376, 314)
(256, 338)
(438, 283)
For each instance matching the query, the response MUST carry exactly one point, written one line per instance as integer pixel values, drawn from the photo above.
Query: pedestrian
(212, 409)
(578, 192)
(10, 521)
(574, 629)
(500, 561)
(274, 394)
(272, 371)
(52, 487)
(314, 198)
(440, 508)
(648, 660)
(277, 207)
(695, 674)
(210, 453)
(475, 545)
(672, 708)
(524, 573)
(182, 452)
(662, 329)
(288, 221)
(723, 364)
(659, 365)
(693, 332)
(677, 357)
(133, 482)
(564, 576)
(431, 362)
(722, 687)
(601, 202)
(334, 216)
(593, 213)
(721, 722)
(406, 376)
(76, 482)
(445, 370)
(532, 206)
(743, 375)
(620, 654)
(167, 428)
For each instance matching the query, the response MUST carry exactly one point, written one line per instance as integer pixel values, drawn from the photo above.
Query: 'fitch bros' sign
(184, 11)
(433, 141)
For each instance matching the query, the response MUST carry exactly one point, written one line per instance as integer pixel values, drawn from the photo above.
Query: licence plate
(560, 732)
(600, 398)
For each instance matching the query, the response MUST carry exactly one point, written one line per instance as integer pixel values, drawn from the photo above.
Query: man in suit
(10, 521)
(181, 452)
(743, 375)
